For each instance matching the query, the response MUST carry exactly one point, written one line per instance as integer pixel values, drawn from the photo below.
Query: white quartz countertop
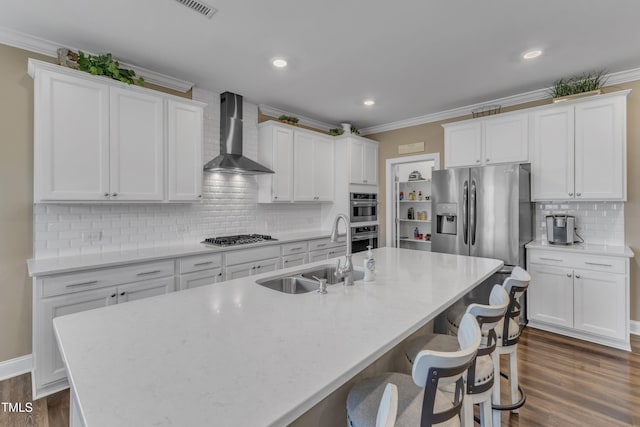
(239, 354)
(43, 266)
(584, 248)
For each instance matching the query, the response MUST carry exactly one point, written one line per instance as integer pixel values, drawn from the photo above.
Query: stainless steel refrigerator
(483, 211)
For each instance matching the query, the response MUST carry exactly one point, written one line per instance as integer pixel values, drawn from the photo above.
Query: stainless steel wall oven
(363, 236)
(364, 207)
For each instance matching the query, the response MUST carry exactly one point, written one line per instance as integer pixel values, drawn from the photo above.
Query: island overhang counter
(236, 353)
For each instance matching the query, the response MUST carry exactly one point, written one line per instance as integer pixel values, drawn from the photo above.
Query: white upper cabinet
(579, 150)
(303, 162)
(463, 145)
(600, 149)
(136, 146)
(71, 136)
(184, 162)
(500, 139)
(97, 139)
(552, 163)
(275, 151)
(363, 161)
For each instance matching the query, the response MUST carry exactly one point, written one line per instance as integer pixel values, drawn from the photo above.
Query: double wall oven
(363, 208)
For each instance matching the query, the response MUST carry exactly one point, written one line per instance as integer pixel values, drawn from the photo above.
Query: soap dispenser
(369, 266)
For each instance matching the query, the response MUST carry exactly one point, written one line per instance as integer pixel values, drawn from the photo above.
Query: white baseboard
(634, 326)
(14, 367)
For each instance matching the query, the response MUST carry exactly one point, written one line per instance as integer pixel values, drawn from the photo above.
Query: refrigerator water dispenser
(446, 218)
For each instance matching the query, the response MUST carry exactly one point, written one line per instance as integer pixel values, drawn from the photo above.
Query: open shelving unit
(412, 207)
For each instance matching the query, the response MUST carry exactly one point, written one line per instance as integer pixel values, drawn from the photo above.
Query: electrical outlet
(91, 236)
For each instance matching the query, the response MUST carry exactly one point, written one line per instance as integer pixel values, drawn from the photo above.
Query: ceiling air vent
(199, 7)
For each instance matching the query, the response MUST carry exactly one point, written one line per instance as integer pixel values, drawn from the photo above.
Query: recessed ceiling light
(279, 63)
(531, 54)
(369, 102)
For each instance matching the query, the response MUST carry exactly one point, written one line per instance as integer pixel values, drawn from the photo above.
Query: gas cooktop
(240, 239)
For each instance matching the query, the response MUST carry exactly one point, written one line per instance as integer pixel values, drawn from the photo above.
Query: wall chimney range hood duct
(231, 159)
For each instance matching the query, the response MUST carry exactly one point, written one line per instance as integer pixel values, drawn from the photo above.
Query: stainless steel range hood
(231, 159)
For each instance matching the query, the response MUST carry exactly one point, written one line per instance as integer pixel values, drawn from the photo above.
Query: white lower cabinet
(200, 278)
(250, 268)
(294, 260)
(585, 297)
(73, 293)
(327, 253)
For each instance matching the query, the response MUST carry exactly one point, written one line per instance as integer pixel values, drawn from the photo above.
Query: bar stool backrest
(515, 285)
(434, 368)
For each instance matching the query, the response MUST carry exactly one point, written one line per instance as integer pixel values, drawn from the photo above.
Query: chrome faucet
(345, 271)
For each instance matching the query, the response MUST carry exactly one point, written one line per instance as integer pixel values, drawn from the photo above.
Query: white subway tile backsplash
(229, 206)
(596, 222)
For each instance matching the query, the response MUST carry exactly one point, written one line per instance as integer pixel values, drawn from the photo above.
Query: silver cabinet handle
(578, 194)
(286, 261)
(322, 245)
(488, 160)
(220, 274)
(122, 293)
(113, 295)
(478, 161)
(200, 196)
(568, 274)
(571, 194)
(106, 194)
(92, 282)
(577, 276)
(599, 264)
(551, 259)
(114, 194)
(253, 267)
(202, 263)
(296, 249)
(148, 272)
(275, 197)
(259, 266)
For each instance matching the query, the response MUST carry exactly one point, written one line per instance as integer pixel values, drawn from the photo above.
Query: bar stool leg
(467, 412)
(485, 413)
(513, 375)
(495, 356)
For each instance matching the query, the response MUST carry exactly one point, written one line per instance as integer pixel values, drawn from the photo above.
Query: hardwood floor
(568, 382)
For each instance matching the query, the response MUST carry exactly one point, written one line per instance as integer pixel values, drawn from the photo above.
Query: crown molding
(307, 121)
(49, 48)
(535, 95)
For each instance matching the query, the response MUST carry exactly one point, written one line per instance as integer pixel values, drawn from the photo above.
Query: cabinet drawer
(250, 255)
(199, 262)
(294, 248)
(92, 279)
(294, 260)
(326, 243)
(577, 260)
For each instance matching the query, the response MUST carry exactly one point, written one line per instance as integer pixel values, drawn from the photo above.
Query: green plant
(578, 84)
(354, 130)
(290, 119)
(336, 131)
(105, 65)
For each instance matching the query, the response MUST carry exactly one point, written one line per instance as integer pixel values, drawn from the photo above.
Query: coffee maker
(561, 229)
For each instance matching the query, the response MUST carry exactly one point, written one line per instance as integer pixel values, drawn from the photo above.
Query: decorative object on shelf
(346, 127)
(415, 176)
(427, 237)
(420, 195)
(410, 213)
(290, 120)
(486, 110)
(336, 131)
(578, 86)
(416, 233)
(355, 130)
(401, 195)
(104, 65)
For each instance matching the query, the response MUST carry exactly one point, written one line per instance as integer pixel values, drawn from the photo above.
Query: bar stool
(482, 372)
(420, 402)
(508, 334)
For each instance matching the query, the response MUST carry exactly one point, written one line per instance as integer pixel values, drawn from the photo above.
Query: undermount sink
(302, 281)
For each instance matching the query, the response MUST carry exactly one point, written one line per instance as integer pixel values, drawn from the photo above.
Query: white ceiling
(414, 57)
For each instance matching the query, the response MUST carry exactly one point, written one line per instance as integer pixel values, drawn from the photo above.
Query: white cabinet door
(506, 139)
(323, 169)
(600, 158)
(552, 166)
(184, 161)
(550, 295)
(200, 278)
(370, 163)
(237, 271)
(71, 136)
(266, 265)
(463, 145)
(146, 289)
(282, 190)
(294, 260)
(318, 255)
(599, 299)
(136, 145)
(49, 366)
(303, 167)
(356, 161)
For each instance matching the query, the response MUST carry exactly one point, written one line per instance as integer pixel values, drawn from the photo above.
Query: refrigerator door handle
(473, 213)
(465, 228)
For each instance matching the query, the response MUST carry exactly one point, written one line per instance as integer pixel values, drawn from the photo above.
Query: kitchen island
(236, 353)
